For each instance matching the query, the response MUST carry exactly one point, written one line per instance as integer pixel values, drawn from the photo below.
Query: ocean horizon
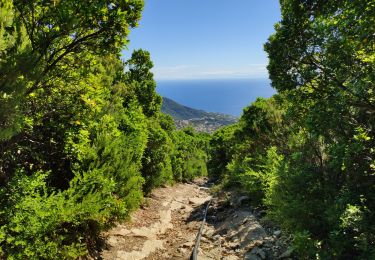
(228, 96)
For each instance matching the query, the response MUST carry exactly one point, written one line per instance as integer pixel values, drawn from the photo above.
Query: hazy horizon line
(203, 79)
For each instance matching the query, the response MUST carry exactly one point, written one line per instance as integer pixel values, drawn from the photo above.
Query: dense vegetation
(82, 138)
(307, 154)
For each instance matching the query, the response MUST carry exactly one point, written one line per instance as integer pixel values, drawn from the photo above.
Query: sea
(227, 96)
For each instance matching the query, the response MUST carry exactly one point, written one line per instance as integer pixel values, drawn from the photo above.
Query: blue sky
(206, 39)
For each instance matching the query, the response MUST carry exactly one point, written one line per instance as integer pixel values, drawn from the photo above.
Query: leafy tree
(41, 39)
(96, 181)
(308, 152)
(327, 75)
(156, 161)
(221, 150)
(189, 158)
(246, 154)
(71, 151)
(140, 77)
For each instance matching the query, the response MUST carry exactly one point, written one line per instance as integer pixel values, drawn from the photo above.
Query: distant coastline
(228, 96)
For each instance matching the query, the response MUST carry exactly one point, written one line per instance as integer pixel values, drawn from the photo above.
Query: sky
(206, 39)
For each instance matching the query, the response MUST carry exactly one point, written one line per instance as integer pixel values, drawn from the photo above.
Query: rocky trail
(167, 225)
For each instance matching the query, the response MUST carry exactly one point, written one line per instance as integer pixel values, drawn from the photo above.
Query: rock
(259, 252)
(223, 231)
(277, 233)
(188, 244)
(227, 251)
(242, 200)
(236, 240)
(182, 250)
(217, 237)
(250, 256)
(209, 232)
(232, 245)
(112, 241)
(203, 239)
(198, 201)
(287, 253)
(262, 254)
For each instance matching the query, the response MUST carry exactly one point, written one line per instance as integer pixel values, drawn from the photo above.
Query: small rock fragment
(182, 250)
(188, 244)
(203, 239)
(277, 233)
(216, 237)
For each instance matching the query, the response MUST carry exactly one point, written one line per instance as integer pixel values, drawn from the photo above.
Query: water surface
(227, 96)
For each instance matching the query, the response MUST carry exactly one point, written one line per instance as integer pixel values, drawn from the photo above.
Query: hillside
(201, 120)
(181, 112)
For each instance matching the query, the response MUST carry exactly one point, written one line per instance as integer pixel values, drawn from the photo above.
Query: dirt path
(167, 226)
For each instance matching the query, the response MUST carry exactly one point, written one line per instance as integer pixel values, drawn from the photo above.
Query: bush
(40, 224)
(189, 157)
(156, 161)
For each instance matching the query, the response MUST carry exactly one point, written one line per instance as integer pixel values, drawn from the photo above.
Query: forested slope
(82, 138)
(307, 154)
(181, 112)
(200, 120)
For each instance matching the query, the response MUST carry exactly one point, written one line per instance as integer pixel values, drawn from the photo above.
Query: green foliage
(81, 137)
(246, 155)
(221, 150)
(156, 161)
(106, 149)
(255, 177)
(308, 153)
(181, 112)
(140, 77)
(41, 40)
(92, 150)
(189, 157)
(328, 79)
(14, 47)
(38, 224)
(305, 246)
